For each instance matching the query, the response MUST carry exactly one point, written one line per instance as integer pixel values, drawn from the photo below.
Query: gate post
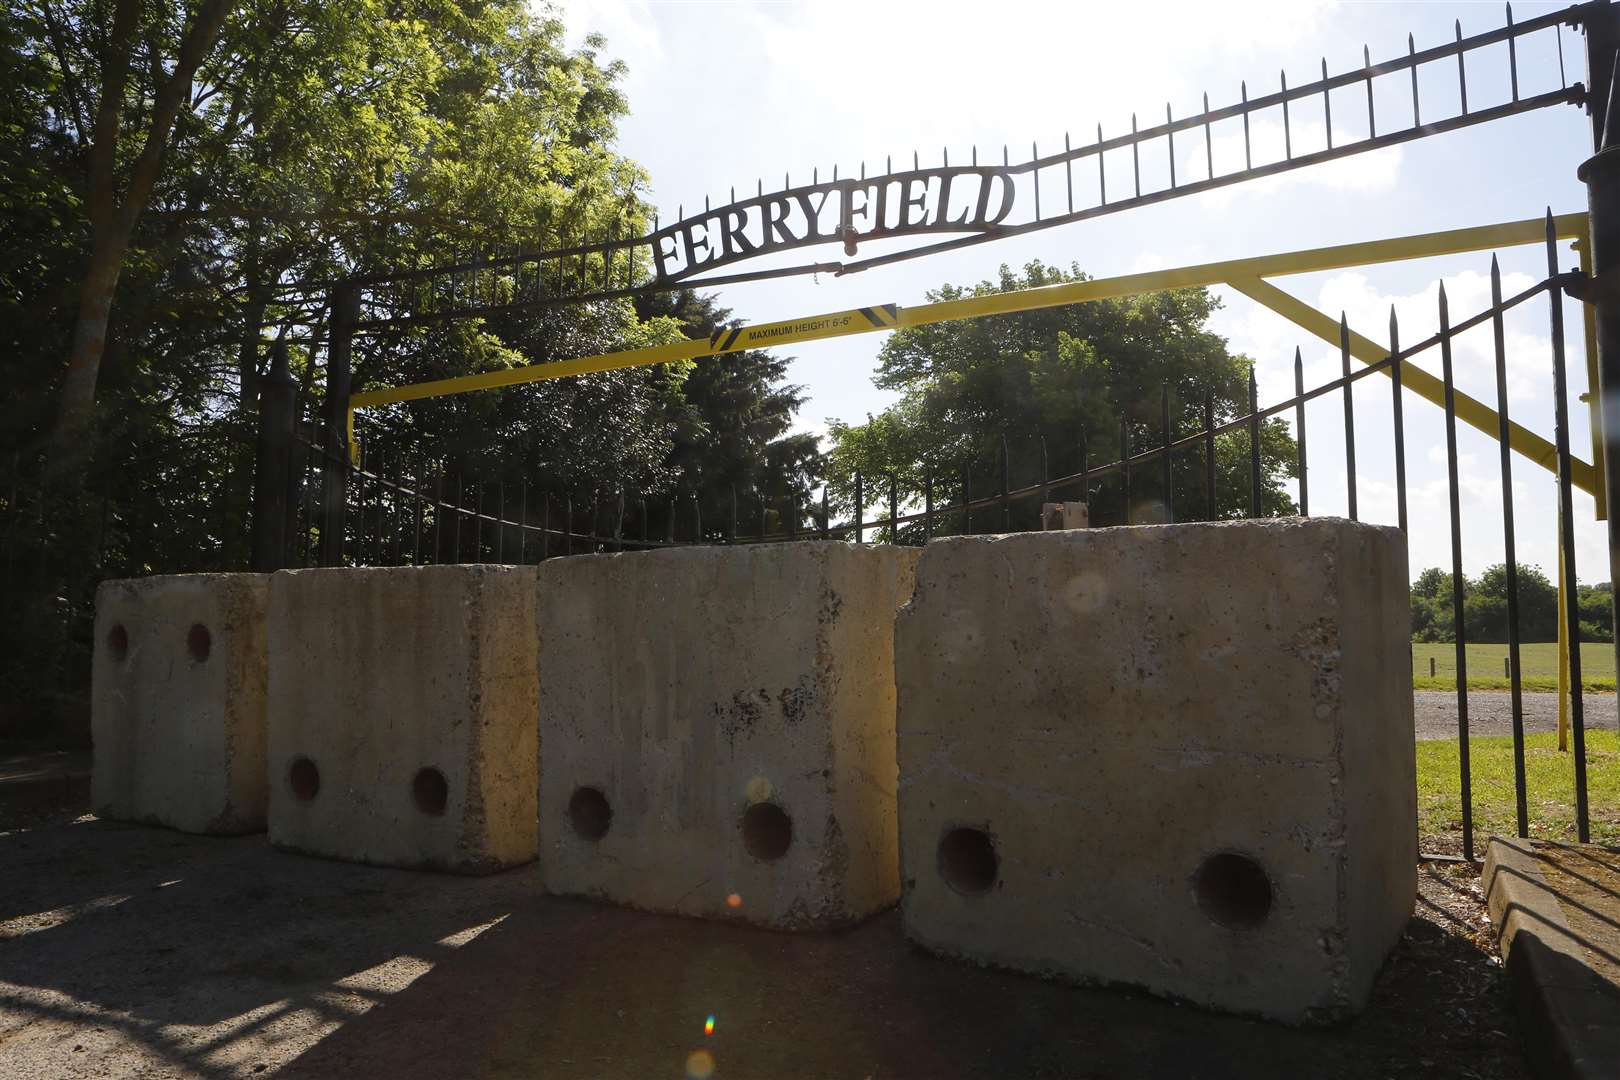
(1601, 175)
(335, 466)
(277, 394)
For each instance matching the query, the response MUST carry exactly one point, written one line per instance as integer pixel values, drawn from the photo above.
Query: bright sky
(723, 94)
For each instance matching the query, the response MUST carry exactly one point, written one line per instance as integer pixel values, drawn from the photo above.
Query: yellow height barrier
(1245, 275)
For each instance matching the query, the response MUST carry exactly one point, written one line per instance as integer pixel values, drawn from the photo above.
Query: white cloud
(1372, 172)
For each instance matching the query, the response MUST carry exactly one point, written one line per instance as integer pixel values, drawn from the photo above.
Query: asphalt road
(129, 951)
(1491, 713)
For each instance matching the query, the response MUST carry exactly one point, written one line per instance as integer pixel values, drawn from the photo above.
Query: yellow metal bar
(1469, 410)
(888, 317)
(734, 339)
(1594, 400)
(1451, 242)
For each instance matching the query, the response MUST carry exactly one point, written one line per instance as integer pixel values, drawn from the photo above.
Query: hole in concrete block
(199, 642)
(431, 791)
(118, 641)
(767, 831)
(1233, 890)
(304, 779)
(968, 861)
(589, 813)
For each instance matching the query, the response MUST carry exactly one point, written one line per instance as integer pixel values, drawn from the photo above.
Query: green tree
(316, 140)
(1485, 609)
(123, 80)
(1044, 382)
(732, 432)
(1597, 611)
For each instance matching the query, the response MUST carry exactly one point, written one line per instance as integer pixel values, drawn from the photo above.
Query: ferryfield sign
(944, 200)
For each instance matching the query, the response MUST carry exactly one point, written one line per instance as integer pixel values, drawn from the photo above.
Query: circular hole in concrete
(767, 831)
(589, 813)
(430, 790)
(1233, 890)
(968, 860)
(118, 641)
(199, 642)
(304, 779)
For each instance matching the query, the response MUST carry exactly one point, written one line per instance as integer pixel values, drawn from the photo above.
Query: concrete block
(178, 702)
(1179, 757)
(717, 727)
(402, 715)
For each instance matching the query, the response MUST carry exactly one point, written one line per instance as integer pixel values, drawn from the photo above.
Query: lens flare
(734, 900)
(708, 1025)
(699, 1065)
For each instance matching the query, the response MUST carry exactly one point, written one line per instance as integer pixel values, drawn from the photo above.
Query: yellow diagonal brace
(1470, 410)
(730, 339)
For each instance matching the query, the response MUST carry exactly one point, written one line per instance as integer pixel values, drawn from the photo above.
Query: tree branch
(199, 39)
(75, 92)
(104, 142)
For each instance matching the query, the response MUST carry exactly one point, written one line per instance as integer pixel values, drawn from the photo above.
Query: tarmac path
(1491, 712)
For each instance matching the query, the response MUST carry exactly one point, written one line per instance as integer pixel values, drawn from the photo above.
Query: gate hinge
(1605, 288)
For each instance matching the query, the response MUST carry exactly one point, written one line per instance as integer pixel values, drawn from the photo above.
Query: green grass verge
(1549, 787)
(1538, 662)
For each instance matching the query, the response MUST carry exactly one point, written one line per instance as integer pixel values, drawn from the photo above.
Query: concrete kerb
(717, 730)
(1567, 1013)
(1177, 757)
(402, 715)
(178, 702)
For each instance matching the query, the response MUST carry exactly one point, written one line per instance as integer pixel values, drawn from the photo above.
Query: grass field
(1549, 787)
(1485, 671)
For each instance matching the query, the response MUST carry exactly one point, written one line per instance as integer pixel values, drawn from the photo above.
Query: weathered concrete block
(402, 715)
(1174, 756)
(178, 702)
(717, 726)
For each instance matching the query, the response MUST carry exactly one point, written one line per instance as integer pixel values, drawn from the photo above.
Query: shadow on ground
(186, 956)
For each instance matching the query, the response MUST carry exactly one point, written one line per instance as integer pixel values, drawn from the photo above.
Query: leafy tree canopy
(1050, 382)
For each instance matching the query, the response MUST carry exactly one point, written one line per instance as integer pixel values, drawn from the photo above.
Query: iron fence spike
(1411, 51)
(1288, 138)
(1513, 56)
(1462, 71)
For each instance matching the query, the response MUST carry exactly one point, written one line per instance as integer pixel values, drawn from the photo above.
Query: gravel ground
(129, 951)
(1491, 712)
